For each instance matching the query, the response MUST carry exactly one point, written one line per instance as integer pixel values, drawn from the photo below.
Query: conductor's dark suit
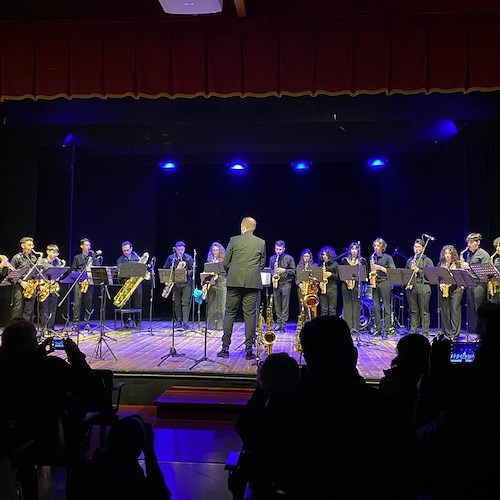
(244, 260)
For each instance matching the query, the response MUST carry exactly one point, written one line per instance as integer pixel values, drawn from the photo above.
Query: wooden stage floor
(143, 351)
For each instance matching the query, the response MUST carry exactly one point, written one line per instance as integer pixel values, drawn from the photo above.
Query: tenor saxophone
(373, 273)
(32, 285)
(297, 347)
(324, 282)
(260, 334)
(129, 287)
(492, 285)
(269, 337)
(276, 276)
(49, 287)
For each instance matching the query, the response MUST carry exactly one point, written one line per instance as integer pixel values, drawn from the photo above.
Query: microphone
(429, 237)
(99, 252)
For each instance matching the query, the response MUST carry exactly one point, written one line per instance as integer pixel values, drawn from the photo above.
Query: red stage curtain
(251, 57)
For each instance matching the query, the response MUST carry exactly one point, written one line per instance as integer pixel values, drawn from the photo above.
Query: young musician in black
(128, 255)
(48, 292)
(328, 288)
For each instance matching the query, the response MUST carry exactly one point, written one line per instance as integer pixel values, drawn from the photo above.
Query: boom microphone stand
(152, 264)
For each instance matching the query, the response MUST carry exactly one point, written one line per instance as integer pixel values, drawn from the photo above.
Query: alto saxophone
(276, 276)
(351, 283)
(324, 282)
(49, 287)
(129, 287)
(373, 273)
(269, 337)
(32, 285)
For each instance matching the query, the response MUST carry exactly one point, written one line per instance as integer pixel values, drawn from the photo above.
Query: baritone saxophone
(493, 286)
(129, 287)
(269, 337)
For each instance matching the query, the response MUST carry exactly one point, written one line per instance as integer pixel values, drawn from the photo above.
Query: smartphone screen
(57, 343)
(463, 352)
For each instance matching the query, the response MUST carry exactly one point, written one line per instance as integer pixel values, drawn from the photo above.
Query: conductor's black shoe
(223, 353)
(249, 355)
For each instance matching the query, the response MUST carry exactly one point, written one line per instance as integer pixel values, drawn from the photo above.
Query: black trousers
(282, 302)
(419, 298)
(87, 303)
(249, 298)
(328, 301)
(451, 312)
(21, 307)
(352, 305)
(382, 293)
(476, 295)
(49, 311)
(181, 296)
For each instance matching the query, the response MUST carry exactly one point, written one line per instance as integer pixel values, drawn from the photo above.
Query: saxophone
(128, 288)
(269, 337)
(311, 299)
(492, 285)
(373, 273)
(260, 333)
(351, 283)
(48, 287)
(324, 282)
(32, 285)
(276, 276)
(297, 347)
(414, 267)
(84, 284)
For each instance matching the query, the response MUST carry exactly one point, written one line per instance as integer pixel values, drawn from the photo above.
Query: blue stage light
(68, 140)
(300, 166)
(377, 163)
(168, 165)
(237, 167)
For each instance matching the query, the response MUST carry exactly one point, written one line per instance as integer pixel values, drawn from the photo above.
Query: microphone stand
(152, 264)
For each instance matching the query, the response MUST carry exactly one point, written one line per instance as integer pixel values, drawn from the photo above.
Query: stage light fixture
(301, 166)
(191, 7)
(237, 167)
(68, 140)
(377, 162)
(168, 165)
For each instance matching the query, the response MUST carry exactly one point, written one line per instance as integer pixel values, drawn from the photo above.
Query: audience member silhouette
(35, 387)
(310, 443)
(457, 416)
(115, 472)
(399, 386)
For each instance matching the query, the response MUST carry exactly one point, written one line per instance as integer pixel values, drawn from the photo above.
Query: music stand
(128, 270)
(439, 276)
(102, 276)
(206, 278)
(306, 274)
(400, 276)
(485, 271)
(465, 280)
(13, 277)
(174, 276)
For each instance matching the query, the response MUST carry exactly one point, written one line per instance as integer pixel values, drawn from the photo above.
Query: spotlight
(300, 166)
(237, 167)
(377, 163)
(167, 165)
(68, 140)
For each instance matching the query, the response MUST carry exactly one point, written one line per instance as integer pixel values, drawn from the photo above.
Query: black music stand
(128, 270)
(400, 276)
(265, 278)
(439, 276)
(54, 274)
(358, 274)
(102, 276)
(173, 276)
(13, 277)
(485, 271)
(151, 267)
(216, 269)
(206, 278)
(465, 280)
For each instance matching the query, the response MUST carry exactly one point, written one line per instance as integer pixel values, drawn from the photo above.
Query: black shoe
(223, 353)
(185, 326)
(249, 355)
(178, 324)
(276, 328)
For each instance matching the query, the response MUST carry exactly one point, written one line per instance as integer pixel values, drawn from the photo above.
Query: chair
(134, 314)
(108, 414)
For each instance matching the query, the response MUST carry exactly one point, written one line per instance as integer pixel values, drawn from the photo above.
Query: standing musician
(450, 296)
(49, 305)
(23, 306)
(283, 266)
(351, 295)
(381, 289)
(216, 292)
(306, 262)
(181, 291)
(418, 291)
(128, 255)
(83, 290)
(495, 296)
(475, 295)
(329, 294)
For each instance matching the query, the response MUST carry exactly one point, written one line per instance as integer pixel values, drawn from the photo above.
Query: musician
(22, 306)
(283, 266)
(49, 305)
(328, 300)
(475, 295)
(450, 296)
(379, 263)
(245, 258)
(496, 262)
(351, 293)
(418, 290)
(181, 292)
(305, 262)
(83, 290)
(216, 294)
(128, 255)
